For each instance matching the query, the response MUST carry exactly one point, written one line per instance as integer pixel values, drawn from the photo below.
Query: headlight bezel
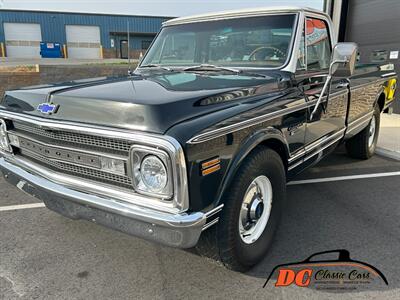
(4, 137)
(138, 154)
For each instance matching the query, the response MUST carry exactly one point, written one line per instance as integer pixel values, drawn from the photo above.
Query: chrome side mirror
(343, 63)
(344, 59)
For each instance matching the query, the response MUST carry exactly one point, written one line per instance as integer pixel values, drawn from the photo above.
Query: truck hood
(151, 101)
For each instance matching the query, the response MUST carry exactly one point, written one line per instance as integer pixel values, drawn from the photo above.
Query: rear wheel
(363, 145)
(251, 214)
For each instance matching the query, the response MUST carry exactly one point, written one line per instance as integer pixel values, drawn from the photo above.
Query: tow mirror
(343, 63)
(344, 59)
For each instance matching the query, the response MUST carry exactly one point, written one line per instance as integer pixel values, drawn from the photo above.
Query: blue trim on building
(53, 25)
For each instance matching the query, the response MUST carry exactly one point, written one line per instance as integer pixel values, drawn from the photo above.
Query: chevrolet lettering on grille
(61, 154)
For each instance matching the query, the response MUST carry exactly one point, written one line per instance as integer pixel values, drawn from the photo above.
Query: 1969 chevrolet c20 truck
(195, 147)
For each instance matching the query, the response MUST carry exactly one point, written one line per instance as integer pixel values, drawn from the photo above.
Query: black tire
(223, 242)
(358, 146)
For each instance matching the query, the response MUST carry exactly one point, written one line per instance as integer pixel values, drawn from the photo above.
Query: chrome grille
(66, 138)
(80, 171)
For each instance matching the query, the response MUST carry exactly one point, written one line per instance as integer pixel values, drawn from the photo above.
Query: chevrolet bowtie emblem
(48, 108)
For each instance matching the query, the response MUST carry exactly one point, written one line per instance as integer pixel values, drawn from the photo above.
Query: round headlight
(154, 174)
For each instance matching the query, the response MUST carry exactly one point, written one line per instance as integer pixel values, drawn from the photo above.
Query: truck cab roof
(259, 11)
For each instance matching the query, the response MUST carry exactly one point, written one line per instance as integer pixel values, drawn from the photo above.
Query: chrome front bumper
(175, 230)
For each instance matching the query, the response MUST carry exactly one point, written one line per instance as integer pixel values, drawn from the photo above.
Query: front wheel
(252, 210)
(363, 145)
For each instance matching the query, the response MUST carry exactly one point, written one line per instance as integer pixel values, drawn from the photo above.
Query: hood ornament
(48, 108)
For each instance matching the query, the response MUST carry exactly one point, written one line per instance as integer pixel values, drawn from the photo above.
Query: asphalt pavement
(46, 256)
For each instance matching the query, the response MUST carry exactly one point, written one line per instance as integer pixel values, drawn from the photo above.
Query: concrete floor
(46, 256)
(389, 136)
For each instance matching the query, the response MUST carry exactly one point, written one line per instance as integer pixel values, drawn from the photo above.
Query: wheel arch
(270, 137)
(380, 99)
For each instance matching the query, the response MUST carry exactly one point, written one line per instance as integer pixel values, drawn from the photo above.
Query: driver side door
(327, 126)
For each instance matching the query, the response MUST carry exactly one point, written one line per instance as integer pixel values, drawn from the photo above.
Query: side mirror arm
(326, 85)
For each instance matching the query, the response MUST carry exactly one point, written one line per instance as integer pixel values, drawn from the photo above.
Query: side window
(301, 59)
(318, 44)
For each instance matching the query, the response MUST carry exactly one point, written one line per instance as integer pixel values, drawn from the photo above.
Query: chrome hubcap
(255, 210)
(372, 130)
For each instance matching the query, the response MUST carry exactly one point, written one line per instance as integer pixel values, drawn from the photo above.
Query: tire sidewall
(228, 233)
(377, 114)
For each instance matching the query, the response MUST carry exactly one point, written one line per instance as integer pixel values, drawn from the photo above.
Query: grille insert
(83, 172)
(75, 139)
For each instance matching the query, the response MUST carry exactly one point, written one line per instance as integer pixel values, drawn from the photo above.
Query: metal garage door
(22, 39)
(83, 41)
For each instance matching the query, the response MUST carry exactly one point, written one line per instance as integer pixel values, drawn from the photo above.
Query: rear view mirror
(343, 62)
(344, 58)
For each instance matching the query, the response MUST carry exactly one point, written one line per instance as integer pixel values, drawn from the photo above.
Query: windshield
(262, 42)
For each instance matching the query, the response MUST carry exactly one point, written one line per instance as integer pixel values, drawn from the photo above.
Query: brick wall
(52, 74)
(115, 53)
(13, 80)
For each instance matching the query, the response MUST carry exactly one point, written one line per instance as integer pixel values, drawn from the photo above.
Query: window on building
(378, 56)
(319, 48)
(146, 45)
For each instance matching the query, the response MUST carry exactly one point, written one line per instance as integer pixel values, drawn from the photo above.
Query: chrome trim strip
(212, 134)
(214, 211)
(326, 139)
(299, 154)
(315, 153)
(215, 133)
(209, 224)
(295, 165)
(388, 74)
(323, 148)
(359, 122)
(169, 144)
(360, 86)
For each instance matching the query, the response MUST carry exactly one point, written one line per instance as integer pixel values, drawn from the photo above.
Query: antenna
(129, 49)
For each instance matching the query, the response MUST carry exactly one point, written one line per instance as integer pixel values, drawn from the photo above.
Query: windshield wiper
(213, 68)
(155, 66)
(207, 67)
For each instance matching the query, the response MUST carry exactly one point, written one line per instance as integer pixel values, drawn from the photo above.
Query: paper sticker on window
(394, 55)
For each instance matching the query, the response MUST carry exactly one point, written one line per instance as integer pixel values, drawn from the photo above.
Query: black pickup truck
(195, 147)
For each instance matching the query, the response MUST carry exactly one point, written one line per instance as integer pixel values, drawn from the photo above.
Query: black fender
(262, 136)
(379, 93)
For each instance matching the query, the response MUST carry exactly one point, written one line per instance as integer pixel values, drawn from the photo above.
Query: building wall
(53, 25)
(374, 25)
(14, 79)
(135, 43)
